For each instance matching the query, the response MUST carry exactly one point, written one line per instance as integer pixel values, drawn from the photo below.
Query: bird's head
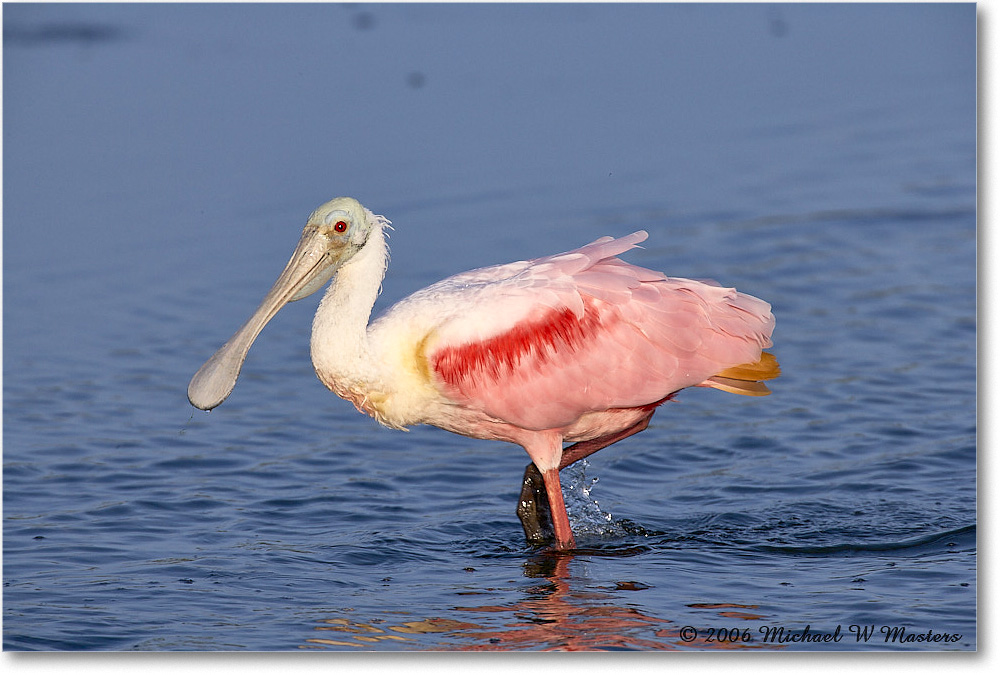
(334, 233)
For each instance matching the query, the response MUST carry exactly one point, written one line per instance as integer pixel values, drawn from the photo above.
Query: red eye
(340, 226)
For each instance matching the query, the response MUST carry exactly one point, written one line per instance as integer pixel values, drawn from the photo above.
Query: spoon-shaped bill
(215, 380)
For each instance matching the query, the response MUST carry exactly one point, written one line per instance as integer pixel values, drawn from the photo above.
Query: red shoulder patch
(557, 331)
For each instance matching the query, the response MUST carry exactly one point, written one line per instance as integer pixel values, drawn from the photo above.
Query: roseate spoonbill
(578, 347)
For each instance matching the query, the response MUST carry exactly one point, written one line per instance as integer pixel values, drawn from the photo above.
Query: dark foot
(533, 508)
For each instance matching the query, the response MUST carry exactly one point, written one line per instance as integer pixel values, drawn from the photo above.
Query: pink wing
(542, 342)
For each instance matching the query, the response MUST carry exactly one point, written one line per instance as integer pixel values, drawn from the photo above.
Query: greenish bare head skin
(334, 233)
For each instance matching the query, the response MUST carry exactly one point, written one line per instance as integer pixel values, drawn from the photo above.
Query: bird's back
(540, 343)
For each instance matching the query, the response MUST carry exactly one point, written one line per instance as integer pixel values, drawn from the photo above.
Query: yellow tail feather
(746, 379)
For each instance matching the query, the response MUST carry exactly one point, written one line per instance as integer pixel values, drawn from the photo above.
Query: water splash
(584, 511)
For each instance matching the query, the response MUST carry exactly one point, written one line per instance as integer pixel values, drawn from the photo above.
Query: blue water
(159, 162)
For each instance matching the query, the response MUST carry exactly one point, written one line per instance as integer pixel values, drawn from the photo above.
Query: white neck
(339, 345)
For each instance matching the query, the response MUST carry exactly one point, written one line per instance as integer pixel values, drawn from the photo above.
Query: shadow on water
(62, 32)
(555, 614)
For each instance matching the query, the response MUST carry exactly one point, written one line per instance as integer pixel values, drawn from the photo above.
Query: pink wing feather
(540, 343)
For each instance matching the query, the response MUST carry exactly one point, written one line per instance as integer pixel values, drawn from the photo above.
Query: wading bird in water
(579, 347)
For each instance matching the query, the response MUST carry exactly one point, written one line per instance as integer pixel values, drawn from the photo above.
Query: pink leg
(560, 519)
(535, 506)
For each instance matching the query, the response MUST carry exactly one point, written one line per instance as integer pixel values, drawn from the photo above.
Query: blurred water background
(160, 160)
